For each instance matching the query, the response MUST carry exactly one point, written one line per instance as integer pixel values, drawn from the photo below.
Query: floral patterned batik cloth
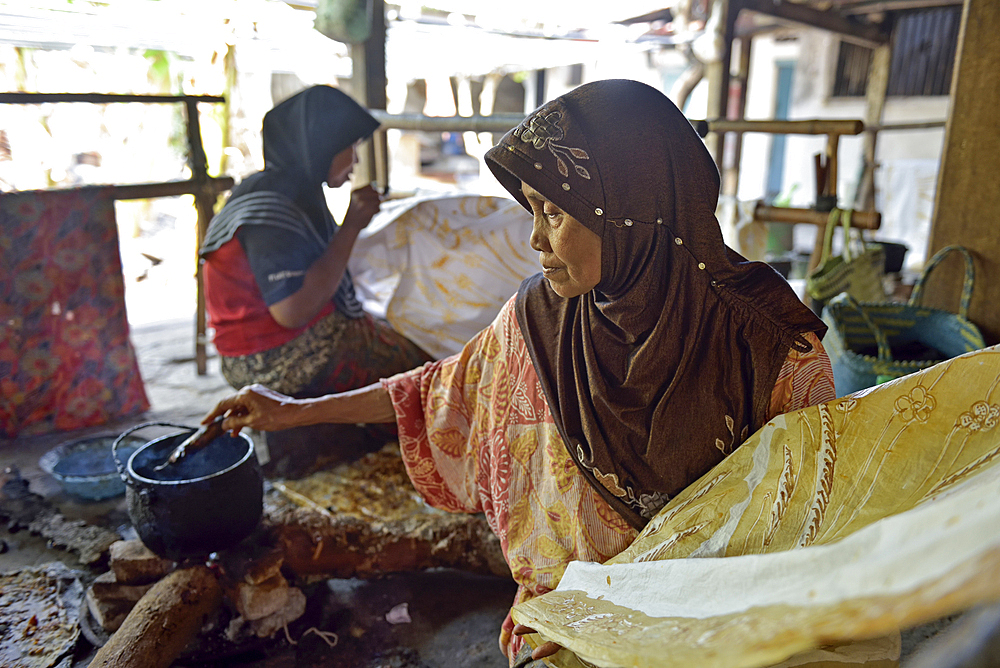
(477, 436)
(66, 361)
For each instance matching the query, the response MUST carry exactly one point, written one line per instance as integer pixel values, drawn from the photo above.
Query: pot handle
(114, 446)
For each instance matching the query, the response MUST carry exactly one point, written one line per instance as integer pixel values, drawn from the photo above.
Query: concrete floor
(455, 617)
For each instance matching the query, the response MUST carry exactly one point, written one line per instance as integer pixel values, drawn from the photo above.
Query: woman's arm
(323, 276)
(258, 407)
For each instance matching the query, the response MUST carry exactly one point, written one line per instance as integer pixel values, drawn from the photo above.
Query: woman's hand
(258, 407)
(543, 650)
(365, 203)
(261, 408)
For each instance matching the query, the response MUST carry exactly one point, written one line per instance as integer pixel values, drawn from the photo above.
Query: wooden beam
(865, 34)
(101, 98)
(968, 192)
(214, 185)
(880, 6)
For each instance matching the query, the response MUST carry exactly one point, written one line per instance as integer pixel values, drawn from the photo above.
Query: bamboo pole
(802, 127)
(865, 220)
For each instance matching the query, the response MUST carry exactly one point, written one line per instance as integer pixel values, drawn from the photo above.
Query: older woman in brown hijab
(643, 354)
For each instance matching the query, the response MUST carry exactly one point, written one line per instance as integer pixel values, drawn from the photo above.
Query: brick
(260, 600)
(133, 563)
(109, 614)
(106, 587)
(110, 602)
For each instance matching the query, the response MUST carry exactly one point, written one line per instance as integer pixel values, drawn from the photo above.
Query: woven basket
(870, 343)
(858, 270)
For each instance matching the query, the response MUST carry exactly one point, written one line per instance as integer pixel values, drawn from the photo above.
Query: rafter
(866, 34)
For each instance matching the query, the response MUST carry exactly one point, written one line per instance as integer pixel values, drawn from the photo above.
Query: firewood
(163, 622)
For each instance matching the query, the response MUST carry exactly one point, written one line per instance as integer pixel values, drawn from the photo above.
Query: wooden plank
(968, 191)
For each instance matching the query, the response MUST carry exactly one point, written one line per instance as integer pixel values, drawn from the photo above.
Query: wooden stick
(163, 622)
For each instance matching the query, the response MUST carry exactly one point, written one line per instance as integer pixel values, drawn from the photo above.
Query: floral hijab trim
(647, 505)
(542, 131)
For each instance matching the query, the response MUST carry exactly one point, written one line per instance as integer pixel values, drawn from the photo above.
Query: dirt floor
(454, 617)
(451, 618)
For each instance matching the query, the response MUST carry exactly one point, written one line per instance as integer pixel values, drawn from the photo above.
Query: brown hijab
(668, 364)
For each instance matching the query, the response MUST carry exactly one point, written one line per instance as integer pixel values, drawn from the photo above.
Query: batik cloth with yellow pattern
(846, 521)
(476, 435)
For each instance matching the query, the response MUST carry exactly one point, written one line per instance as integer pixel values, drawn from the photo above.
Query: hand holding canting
(258, 407)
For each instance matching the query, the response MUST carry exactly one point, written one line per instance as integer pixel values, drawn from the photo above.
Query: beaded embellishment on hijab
(543, 131)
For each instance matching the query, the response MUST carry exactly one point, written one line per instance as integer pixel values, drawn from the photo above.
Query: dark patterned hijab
(301, 136)
(668, 364)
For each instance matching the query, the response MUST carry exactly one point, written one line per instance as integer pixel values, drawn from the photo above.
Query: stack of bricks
(134, 570)
(261, 598)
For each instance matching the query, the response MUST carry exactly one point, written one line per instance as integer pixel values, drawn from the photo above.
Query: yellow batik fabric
(848, 520)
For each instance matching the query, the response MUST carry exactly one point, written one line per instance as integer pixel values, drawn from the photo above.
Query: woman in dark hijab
(643, 354)
(278, 292)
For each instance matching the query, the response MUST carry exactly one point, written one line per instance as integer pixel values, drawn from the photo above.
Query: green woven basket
(869, 343)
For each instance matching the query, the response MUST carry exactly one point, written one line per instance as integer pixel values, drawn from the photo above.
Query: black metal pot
(207, 501)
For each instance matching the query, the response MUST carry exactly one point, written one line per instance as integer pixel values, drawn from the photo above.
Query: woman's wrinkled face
(342, 166)
(570, 254)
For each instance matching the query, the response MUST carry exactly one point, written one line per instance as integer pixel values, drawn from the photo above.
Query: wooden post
(878, 84)
(368, 80)
(204, 202)
(967, 200)
(731, 172)
(723, 14)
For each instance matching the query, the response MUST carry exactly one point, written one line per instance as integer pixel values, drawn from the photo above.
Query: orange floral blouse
(476, 435)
